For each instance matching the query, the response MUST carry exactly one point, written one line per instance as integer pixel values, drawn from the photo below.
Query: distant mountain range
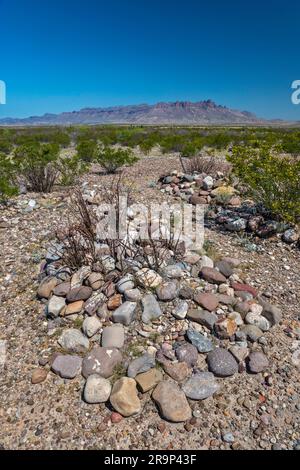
(179, 112)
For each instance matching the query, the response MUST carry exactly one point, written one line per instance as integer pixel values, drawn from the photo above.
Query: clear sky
(61, 55)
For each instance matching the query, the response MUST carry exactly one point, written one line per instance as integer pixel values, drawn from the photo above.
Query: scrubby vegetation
(271, 178)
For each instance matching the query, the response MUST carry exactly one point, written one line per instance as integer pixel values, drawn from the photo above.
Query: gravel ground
(247, 412)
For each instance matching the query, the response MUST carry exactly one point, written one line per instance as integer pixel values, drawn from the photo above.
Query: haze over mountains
(179, 112)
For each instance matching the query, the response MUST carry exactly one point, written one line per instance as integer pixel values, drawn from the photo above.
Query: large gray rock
(91, 326)
(67, 366)
(222, 363)
(257, 362)
(55, 306)
(173, 271)
(113, 336)
(141, 364)
(97, 389)
(125, 283)
(252, 332)
(167, 291)
(272, 313)
(187, 353)
(180, 309)
(125, 313)
(151, 308)
(73, 340)
(202, 343)
(203, 317)
(101, 361)
(172, 402)
(200, 386)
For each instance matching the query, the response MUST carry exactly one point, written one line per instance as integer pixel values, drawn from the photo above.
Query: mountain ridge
(176, 112)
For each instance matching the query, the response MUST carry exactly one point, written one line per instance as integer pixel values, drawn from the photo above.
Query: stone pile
(195, 323)
(225, 207)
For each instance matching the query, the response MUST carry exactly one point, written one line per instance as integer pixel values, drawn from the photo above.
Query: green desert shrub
(113, 158)
(272, 180)
(85, 150)
(7, 178)
(70, 168)
(37, 164)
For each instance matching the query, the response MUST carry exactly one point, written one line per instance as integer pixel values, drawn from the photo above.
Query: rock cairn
(174, 334)
(225, 207)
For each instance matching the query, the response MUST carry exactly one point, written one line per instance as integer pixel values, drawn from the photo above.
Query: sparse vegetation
(272, 179)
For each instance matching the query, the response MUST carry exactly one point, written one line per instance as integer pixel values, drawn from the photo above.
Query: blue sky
(61, 55)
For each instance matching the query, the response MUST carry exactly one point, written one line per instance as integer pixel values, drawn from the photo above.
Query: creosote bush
(272, 180)
(113, 158)
(7, 178)
(37, 163)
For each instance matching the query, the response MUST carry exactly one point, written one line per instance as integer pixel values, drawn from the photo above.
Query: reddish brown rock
(212, 275)
(38, 376)
(114, 302)
(206, 300)
(244, 288)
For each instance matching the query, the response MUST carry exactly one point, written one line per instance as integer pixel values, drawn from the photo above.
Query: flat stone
(91, 326)
(151, 308)
(180, 310)
(141, 364)
(257, 362)
(202, 343)
(148, 278)
(224, 268)
(203, 317)
(62, 289)
(79, 293)
(252, 332)
(94, 302)
(222, 363)
(238, 287)
(179, 371)
(200, 386)
(272, 313)
(55, 306)
(187, 353)
(206, 300)
(46, 287)
(195, 199)
(95, 280)
(173, 271)
(125, 283)
(113, 336)
(38, 376)
(133, 295)
(73, 340)
(101, 361)
(125, 313)
(124, 397)
(172, 402)
(66, 366)
(192, 258)
(167, 291)
(148, 380)
(233, 262)
(74, 307)
(97, 389)
(212, 275)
